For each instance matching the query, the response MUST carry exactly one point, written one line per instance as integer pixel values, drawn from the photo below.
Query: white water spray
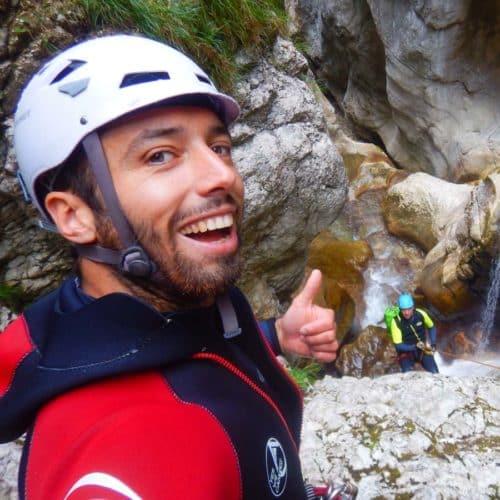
(382, 283)
(490, 309)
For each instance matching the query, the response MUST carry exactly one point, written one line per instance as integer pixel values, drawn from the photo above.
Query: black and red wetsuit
(123, 402)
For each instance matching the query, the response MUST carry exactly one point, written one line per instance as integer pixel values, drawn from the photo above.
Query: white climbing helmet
(93, 83)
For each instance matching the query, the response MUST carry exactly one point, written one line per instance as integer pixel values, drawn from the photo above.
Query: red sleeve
(130, 438)
(15, 345)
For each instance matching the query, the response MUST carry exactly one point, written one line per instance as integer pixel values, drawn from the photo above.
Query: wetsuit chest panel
(265, 448)
(414, 325)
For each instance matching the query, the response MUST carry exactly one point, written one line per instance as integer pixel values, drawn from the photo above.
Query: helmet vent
(137, 78)
(72, 66)
(204, 79)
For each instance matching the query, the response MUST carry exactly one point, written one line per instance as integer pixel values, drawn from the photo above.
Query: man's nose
(213, 171)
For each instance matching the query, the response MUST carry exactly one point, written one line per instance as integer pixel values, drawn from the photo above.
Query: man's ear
(72, 216)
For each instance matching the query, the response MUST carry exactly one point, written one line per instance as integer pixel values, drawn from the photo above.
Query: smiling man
(146, 374)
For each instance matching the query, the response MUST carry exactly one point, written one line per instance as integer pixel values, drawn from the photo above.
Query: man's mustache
(215, 201)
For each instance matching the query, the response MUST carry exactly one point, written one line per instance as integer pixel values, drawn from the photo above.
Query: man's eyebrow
(148, 134)
(156, 133)
(219, 129)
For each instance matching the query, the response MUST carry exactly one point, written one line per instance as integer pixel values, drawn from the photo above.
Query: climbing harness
(335, 490)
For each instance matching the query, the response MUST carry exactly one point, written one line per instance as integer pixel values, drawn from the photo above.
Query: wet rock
(342, 264)
(371, 354)
(461, 344)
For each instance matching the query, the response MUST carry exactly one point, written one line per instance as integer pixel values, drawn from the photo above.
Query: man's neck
(98, 280)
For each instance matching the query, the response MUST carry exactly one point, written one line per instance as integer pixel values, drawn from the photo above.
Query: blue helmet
(405, 301)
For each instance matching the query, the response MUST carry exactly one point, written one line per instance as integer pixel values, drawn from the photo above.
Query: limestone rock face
(459, 227)
(427, 84)
(412, 435)
(10, 455)
(294, 177)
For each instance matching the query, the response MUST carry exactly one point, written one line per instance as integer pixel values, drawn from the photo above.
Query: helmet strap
(133, 259)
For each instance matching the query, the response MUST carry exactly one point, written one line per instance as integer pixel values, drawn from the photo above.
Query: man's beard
(185, 280)
(179, 281)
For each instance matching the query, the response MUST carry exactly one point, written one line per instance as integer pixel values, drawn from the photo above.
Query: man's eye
(222, 150)
(160, 157)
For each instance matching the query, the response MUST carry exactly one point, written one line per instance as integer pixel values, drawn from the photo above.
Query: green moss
(486, 443)
(372, 435)
(450, 449)
(300, 43)
(403, 496)
(212, 31)
(496, 492)
(405, 457)
(433, 451)
(409, 427)
(13, 298)
(394, 475)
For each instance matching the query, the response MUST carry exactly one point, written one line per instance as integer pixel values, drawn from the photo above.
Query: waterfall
(491, 305)
(383, 282)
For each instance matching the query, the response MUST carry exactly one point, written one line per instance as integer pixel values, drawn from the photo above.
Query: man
(408, 332)
(146, 375)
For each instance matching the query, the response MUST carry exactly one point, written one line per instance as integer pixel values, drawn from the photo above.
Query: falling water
(491, 305)
(382, 284)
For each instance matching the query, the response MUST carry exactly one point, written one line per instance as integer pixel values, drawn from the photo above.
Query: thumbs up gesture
(307, 329)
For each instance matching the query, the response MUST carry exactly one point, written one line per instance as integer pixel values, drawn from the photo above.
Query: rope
(471, 360)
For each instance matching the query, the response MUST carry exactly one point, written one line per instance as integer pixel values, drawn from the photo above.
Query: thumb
(311, 288)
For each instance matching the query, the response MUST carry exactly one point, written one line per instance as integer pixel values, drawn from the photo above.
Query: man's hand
(420, 345)
(307, 329)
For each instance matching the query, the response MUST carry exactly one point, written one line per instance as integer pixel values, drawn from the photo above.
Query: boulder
(294, 177)
(371, 354)
(421, 208)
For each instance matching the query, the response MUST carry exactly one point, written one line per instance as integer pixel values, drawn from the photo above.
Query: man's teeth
(219, 222)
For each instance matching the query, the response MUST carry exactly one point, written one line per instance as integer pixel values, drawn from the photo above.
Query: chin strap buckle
(135, 261)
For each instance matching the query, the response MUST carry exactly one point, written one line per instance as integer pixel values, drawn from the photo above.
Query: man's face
(174, 175)
(407, 313)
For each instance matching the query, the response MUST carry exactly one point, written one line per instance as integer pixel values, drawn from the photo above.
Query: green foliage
(301, 44)
(12, 297)
(305, 374)
(211, 31)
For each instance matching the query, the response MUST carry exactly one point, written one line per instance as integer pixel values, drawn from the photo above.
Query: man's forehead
(167, 114)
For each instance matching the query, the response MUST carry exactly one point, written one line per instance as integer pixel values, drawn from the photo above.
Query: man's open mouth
(210, 229)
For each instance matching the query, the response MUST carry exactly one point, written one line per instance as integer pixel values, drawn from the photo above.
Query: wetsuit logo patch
(276, 466)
